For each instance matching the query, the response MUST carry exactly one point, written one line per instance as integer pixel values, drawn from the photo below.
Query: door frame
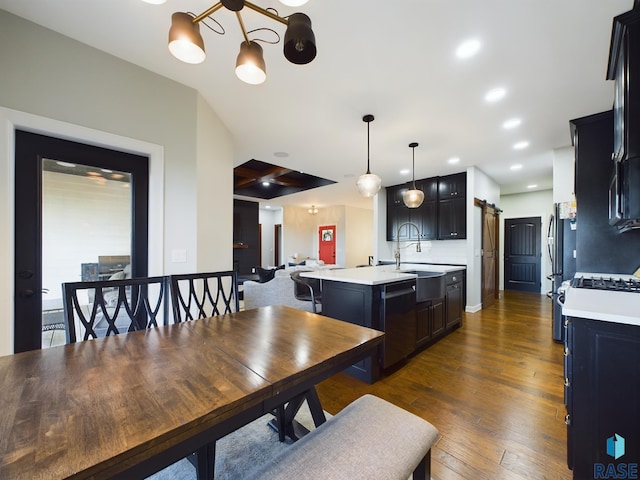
(11, 120)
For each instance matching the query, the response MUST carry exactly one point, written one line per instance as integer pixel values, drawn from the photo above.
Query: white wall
(564, 175)
(534, 204)
(267, 218)
(482, 187)
(55, 85)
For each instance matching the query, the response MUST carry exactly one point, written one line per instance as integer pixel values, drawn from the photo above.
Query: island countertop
(378, 275)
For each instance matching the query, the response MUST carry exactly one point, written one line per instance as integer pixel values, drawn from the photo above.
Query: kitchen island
(387, 299)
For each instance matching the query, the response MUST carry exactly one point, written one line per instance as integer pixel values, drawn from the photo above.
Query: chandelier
(313, 210)
(186, 43)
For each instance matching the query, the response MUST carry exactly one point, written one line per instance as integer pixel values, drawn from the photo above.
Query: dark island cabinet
(602, 395)
(430, 321)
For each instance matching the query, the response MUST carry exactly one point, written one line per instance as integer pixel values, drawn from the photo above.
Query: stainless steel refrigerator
(561, 243)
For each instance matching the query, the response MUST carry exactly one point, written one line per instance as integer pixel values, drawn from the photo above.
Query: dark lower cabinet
(454, 299)
(602, 395)
(430, 321)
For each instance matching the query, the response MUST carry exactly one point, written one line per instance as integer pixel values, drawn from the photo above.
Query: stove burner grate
(610, 283)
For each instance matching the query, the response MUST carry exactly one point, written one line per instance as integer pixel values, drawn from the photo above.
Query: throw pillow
(265, 274)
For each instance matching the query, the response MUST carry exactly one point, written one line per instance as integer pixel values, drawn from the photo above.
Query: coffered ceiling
(396, 60)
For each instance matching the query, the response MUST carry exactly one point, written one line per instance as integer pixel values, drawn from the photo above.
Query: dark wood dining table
(128, 405)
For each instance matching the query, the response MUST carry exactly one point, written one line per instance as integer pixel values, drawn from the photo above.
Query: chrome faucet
(397, 253)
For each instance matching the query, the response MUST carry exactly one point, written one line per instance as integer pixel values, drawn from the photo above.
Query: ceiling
(395, 60)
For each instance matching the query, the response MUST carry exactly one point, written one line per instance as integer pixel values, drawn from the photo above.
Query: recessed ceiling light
(532, 186)
(511, 123)
(155, 2)
(495, 94)
(453, 160)
(405, 171)
(106, 170)
(468, 48)
(521, 145)
(281, 154)
(267, 206)
(293, 3)
(66, 164)
(265, 184)
(516, 167)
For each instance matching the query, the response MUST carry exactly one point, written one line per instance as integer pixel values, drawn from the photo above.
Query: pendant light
(413, 198)
(369, 183)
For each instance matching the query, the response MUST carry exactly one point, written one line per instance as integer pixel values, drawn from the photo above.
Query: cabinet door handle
(567, 382)
(567, 419)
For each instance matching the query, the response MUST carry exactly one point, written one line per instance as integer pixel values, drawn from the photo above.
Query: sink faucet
(397, 253)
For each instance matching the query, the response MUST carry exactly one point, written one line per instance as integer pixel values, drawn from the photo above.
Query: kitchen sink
(429, 285)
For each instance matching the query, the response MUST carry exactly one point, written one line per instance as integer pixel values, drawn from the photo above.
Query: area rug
(240, 451)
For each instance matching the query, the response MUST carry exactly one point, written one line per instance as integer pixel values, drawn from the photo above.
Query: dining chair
(202, 295)
(307, 289)
(109, 307)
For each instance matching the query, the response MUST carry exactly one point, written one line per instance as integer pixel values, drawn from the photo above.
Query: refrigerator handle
(550, 241)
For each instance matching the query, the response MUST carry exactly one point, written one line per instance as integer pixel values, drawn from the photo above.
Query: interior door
(327, 244)
(522, 254)
(490, 255)
(81, 218)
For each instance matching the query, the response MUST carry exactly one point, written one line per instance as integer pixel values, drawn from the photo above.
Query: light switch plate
(178, 256)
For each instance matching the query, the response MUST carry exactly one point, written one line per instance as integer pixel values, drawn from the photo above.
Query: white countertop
(608, 306)
(377, 275)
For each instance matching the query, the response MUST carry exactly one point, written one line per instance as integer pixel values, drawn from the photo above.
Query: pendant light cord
(413, 176)
(368, 171)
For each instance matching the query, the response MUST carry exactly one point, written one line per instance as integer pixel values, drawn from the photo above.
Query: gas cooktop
(607, 283)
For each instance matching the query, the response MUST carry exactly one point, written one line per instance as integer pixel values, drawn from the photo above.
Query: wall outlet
(253, 269)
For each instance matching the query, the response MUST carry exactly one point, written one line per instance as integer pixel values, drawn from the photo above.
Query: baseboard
(473, 308)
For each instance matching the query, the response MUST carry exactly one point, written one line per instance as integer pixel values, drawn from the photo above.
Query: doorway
(77, 207)
(522, 252)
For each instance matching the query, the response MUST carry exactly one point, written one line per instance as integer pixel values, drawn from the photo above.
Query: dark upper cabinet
(424, 217)
(452, 186)
(433, 216)
(452, 219)
(452, 207)
(624, 69)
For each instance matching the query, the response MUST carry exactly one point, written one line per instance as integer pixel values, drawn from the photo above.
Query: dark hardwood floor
(494, 389)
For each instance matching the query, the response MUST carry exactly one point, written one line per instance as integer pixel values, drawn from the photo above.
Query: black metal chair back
(110, 307)
(202, 295)
(307, 289)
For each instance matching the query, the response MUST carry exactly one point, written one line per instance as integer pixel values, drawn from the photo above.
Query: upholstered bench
(369, 439)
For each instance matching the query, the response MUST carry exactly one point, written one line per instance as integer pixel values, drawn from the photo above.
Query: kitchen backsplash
(438, 251)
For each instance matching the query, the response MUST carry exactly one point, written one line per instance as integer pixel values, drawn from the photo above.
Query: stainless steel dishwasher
(399, 321)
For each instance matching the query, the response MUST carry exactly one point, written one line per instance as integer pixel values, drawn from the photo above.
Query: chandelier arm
(208, 12)
(271, 42)
(266, 13)
(244, 30)
(222, 31)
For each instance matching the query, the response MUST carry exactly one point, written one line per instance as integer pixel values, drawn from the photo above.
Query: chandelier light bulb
(369, 184)
(250, 66)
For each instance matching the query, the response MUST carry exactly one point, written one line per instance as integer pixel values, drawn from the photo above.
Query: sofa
(278, 291)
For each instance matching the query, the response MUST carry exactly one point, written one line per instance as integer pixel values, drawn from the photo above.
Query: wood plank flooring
(494, 389)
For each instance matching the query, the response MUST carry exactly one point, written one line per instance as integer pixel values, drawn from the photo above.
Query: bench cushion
(369, 439)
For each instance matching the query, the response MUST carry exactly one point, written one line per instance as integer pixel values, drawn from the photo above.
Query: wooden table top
(96, 408)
